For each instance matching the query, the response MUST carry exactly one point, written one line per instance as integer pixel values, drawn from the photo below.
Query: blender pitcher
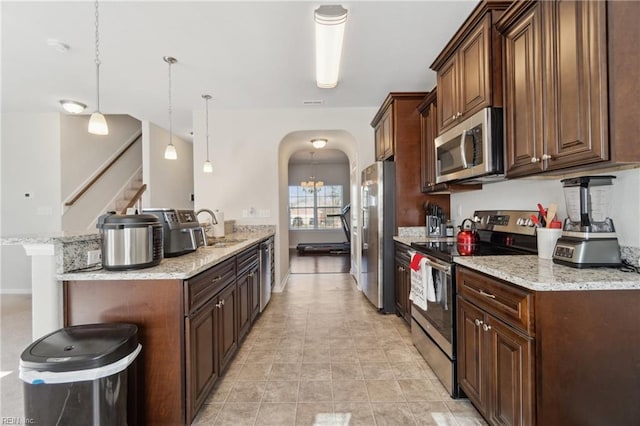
(588, 200)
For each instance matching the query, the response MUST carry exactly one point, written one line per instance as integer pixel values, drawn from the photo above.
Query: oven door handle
(439, 267)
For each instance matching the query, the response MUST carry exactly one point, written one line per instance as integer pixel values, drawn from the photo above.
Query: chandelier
(312, 185)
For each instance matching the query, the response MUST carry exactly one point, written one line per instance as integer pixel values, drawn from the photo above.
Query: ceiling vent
(313, 102)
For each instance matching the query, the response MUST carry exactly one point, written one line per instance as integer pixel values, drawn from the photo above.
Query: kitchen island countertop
(180, 267)
(537, 274)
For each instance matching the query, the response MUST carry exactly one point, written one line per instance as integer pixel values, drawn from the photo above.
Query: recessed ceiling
(333, 156)
(245, 54)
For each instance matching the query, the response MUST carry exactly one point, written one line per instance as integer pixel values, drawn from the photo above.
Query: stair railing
(104, 169)
(135, 200)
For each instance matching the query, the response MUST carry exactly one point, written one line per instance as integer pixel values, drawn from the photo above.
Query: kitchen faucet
(214, 220)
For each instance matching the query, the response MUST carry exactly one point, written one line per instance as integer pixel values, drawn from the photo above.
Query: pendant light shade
(208, 167)
(170, 152)
(97, 122)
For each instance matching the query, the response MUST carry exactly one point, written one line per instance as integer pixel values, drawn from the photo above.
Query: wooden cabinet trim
(469, 24)
(501, 299)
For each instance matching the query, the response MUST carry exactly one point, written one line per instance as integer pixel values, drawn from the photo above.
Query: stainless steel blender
(588, 235)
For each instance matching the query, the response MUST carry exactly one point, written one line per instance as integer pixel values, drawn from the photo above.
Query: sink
(224, 242)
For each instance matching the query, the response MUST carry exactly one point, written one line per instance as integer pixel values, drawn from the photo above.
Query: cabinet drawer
(247, 258)
(511, 304)
(207, 284)
(402, 253)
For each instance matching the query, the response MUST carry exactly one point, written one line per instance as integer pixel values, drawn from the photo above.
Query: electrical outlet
(94, 257)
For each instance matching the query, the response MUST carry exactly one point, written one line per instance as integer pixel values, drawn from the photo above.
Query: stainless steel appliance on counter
(378, 228)
(182, 231)
(500, 232)
(266, 253)
(472, 150)
(588, 236)
(130, 241)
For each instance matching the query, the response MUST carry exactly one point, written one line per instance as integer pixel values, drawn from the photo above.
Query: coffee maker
(588, 235)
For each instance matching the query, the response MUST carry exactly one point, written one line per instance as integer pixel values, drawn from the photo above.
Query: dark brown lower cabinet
(402, 284)
(227, 305)
(202, 368)
(188, 329)
(548, 357)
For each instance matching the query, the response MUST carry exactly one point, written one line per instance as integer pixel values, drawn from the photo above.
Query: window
(310, 210)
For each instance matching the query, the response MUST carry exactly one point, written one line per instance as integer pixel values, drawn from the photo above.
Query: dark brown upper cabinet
(469, 69)
(566, 65)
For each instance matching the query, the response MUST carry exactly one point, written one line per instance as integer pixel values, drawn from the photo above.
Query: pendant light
(170, 152)
(207, 168)
(312, 185)
(97, 122)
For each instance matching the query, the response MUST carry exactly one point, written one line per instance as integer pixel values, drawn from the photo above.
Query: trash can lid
(81, 347)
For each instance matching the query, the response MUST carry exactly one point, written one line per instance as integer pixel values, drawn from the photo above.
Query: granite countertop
(50, 238)
(181, 267)
(537, 274)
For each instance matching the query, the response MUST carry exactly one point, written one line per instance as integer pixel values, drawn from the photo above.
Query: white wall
(169, 182)
(250, 152)
(330, 174)
(94, 152)
(524, 194)
(30, 164)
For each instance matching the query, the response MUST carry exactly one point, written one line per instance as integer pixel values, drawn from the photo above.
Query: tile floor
(321, 355)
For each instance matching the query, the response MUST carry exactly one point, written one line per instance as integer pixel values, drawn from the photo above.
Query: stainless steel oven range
(433, 331)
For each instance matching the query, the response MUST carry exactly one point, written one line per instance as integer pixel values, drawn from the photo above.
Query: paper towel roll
(218, 228)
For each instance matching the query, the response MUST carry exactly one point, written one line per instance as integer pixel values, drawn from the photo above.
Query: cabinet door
(255, 292)
(244, 302)
(472, 357)
(575, 47)
(379, 137)
(448, 94)
(474, 73)
(400, 289)
(429, 132)
(523, 95)
(201, 366)
(510, 374)
(388, 139)
(227, 326)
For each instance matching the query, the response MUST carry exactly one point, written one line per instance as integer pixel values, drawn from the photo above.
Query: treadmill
(330, 248)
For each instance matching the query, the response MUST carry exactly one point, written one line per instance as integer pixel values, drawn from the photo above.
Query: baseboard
(282, 285)
(15, 291)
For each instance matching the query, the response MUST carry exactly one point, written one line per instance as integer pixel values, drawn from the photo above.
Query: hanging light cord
(97, 59)
(206, 107)
(170, 121)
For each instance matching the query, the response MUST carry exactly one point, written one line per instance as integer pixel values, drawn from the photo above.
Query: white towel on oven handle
(422, 288)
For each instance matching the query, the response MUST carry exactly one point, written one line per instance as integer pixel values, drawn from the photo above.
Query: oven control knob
(519, 221)
(529, 222)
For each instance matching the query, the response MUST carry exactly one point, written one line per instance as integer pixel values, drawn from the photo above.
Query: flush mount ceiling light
(330, 21)
(318, 143)
(312, 185)
(207, 168)
(170, 152)
(72, 107)
(97, 122)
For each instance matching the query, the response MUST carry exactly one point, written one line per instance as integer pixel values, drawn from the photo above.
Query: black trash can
(84, 374)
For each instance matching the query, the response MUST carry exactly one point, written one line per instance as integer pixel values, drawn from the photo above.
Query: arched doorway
(299, 141)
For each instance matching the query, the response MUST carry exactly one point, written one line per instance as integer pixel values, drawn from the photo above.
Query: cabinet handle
(547, 157)
(222, 301)
(401, 268)
(487, 294)
(458, 115)
(486, 327)
(216, 279)
(219, 304)
(478, 322)
(535, 159)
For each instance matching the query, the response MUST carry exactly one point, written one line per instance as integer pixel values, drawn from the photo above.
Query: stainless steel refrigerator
(378, 228)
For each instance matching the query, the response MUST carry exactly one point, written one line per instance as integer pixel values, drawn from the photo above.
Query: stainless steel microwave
(473, 150)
